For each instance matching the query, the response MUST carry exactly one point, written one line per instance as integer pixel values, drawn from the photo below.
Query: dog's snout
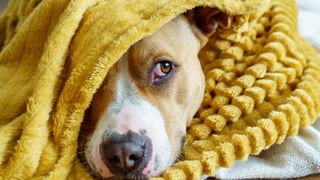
(124, 155)
(127, 153)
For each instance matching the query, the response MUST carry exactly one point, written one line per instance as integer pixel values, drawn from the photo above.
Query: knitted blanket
(262, 80)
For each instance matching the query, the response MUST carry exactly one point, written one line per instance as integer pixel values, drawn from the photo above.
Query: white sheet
(297, 157)
(309, 20)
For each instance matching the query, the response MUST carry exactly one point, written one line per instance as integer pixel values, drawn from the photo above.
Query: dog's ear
(204, 18)
(205, 21)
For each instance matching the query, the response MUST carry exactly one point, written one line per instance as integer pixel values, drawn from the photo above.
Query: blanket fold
(262, 80)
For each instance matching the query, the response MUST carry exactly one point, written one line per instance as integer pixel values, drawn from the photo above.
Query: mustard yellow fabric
(262, 82)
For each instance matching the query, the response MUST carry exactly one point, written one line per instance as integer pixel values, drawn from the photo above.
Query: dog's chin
(123, 177)
(141, 176)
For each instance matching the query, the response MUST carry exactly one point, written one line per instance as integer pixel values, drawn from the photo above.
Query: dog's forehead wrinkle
(163, 41)
(178, 30)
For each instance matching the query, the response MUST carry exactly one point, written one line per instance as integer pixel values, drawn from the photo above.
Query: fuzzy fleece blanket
(262, 80)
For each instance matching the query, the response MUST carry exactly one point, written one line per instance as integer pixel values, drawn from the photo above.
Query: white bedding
(309, 20)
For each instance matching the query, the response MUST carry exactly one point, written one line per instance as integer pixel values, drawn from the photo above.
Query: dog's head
(138, 117)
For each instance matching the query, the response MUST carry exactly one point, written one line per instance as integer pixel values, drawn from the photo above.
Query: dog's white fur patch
(130, 112)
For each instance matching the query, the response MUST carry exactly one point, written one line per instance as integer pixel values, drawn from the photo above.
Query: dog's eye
(161, 70)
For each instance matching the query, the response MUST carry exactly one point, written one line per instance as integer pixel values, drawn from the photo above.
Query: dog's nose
(126, 153)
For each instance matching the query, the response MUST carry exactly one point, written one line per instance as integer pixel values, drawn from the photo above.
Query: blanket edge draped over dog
(55, 54)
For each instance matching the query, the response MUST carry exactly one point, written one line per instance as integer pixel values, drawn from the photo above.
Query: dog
(135, 126)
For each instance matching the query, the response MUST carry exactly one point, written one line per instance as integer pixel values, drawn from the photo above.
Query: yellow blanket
(263, 80)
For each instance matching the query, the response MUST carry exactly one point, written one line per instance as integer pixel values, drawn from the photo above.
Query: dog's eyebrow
(150, 52)
(138, 52)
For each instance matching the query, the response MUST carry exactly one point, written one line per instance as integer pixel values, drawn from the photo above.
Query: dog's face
(137, 121)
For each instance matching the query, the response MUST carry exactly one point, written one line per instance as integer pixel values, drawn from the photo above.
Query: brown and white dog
(138, 117)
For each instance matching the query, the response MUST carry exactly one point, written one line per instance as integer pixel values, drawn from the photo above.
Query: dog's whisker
(81, 152)
(88, 128)
(83, 136)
